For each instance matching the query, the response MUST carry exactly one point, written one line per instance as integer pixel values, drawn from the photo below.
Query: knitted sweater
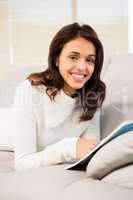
(45, 131)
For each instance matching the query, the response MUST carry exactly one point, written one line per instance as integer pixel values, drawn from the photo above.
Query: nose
(81, 64)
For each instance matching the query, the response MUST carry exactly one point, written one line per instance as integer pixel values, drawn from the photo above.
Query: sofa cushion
(116, 79)
(54, 182)
(6, 166)
(44, 183)
(115, 154)
(113, 115)
(121, 177)
(119, 94)
(6, 128)
(88, 189)
(6, 161)
(9, 83)
(6, 155)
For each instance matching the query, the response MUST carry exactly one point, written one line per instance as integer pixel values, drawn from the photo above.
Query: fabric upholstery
(116, 153)
(54, 182)
(96, 190)
(6, 161)
(6, 127)
(44, 183)
(13, 78)
(121, 177)
(118, 103)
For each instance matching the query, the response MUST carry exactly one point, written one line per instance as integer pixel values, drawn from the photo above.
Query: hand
(83, 146)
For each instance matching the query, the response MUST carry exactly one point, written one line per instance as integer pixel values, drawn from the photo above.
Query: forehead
(79, 45)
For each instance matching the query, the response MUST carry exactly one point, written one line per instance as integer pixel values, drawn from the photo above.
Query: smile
(78, 77)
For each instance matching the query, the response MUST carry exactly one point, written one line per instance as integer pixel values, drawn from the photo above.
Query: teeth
(78, 76)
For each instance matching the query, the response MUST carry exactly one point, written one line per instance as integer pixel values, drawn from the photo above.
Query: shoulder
(26, 86)
(26, 93)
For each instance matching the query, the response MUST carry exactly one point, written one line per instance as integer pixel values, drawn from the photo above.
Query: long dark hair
(94, 89)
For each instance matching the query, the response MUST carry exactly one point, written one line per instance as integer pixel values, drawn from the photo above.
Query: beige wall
(130, 26)
(26, 43)
(114, 38)
(4, 41)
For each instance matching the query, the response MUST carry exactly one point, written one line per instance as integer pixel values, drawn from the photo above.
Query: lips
(77, 76)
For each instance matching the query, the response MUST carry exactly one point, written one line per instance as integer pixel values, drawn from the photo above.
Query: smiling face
(76, 63)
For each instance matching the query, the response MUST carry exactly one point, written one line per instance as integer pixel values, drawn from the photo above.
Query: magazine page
(121, 129)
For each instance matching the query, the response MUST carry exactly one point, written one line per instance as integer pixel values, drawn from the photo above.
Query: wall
(130, 26)
(27, 27)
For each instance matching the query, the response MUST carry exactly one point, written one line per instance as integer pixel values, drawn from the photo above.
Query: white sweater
(46, 132)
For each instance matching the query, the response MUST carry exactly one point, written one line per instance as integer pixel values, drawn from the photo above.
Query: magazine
(123, 128)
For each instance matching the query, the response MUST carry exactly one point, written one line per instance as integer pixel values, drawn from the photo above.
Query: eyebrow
(77, 53)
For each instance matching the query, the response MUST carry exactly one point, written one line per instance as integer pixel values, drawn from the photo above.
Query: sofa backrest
(11, 81)
(118, 105)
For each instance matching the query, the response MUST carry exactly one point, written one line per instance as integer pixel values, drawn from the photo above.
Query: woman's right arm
(24, 134)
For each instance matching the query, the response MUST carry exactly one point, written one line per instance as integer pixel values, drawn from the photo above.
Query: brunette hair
(94, 89)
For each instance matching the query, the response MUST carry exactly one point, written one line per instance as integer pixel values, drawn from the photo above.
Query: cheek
(91, 70)
(64, 68)
(63, 71)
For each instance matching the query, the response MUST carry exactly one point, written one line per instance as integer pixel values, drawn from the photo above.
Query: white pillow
(117, 153)
(6, 129)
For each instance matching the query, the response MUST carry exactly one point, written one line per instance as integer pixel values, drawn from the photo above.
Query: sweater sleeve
(25, 137)
(62, 151)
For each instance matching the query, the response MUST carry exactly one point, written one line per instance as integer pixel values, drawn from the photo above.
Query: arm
(62, 151)
(25, 141)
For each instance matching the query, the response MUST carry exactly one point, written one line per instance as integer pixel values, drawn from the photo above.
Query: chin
(77, 87)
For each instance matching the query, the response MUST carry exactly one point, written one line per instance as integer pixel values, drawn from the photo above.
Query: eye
(73, 57)
(91, 61)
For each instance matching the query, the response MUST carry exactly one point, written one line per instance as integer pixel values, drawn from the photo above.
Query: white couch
(54, 182)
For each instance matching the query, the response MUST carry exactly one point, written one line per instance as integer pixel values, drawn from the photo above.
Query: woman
(57, 110)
